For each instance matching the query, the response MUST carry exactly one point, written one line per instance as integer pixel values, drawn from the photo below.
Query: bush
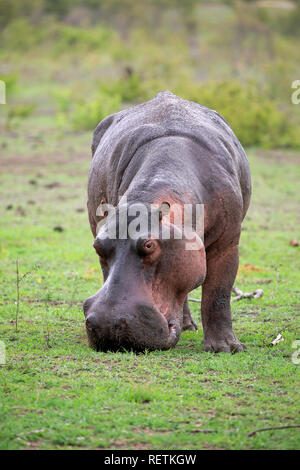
(67, 37)
(130, 89)
(20, 35)
(86, 116)
(255, 119)
(10, 81)
(14, 111)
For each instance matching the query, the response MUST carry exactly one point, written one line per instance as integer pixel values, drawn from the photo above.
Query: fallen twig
(256, 294)
(277, 340)
(264, 281)
(18, 293)
(274, 428)
(204, 431)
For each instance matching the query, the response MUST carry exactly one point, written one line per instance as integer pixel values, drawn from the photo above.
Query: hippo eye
(148, 247)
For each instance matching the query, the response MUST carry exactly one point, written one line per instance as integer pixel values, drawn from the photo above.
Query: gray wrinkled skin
(173, 150)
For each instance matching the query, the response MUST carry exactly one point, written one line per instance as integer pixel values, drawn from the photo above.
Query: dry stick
(18, 293)
(46, 330)
(18, 280)
(256, 294)
(190, 299)
(275, 427)
(239, 295)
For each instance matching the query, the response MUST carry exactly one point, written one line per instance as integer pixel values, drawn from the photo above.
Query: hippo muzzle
(136, 326)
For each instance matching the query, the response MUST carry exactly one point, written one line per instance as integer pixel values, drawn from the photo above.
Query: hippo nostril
(90, 322)
(172, 328)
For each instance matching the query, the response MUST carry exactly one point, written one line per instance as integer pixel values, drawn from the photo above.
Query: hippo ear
(100, 131)
(163, 210)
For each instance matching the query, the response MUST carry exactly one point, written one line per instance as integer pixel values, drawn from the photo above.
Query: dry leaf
(277, 340)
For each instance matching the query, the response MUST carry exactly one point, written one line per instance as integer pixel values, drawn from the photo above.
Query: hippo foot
(191, 325)
(224, 344)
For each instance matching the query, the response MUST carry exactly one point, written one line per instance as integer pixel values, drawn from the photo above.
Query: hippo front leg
(215, 305)
(188, 321)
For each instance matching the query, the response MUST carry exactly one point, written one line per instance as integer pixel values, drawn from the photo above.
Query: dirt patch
(32, 445)
(246, 268)
(50, 302)
(279, 156)
(128, 445)
(24, 164)
(149, 431)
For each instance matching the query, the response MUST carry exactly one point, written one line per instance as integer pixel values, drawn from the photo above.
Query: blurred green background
(68, 64)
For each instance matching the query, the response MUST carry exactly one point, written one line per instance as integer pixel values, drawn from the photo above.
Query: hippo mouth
(122, 339)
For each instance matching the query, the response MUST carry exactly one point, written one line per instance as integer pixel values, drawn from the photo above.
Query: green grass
(55, 392)
(58, 393)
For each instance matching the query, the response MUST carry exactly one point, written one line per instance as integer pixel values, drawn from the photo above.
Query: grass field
(66, 65)
(58, 393)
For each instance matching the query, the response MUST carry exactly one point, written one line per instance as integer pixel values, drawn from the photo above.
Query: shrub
(86, 116)
(63, 99)
(66, 37)
(130, 89)
(18, 112)
(20, 35)
(255, 119)
(10, 81)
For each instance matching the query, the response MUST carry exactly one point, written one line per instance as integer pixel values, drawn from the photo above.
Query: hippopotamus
(166, 151)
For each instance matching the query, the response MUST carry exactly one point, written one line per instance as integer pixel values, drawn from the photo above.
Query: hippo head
(147, 277)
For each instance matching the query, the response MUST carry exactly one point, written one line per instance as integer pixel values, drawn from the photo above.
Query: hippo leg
(188, 321)
(215, 307)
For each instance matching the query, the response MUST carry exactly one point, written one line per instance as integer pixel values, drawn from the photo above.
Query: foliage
(87, 115)
(83, 114)
(14, 110)
(87, 63)
(10, 81)
(255, 118)
(130, 88)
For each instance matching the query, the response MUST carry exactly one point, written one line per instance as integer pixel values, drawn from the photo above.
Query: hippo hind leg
(188, 321)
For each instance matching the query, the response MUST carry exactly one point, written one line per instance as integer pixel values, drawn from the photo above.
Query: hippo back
(118, 137)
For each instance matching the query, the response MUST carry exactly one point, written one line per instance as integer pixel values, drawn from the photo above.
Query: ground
(57, 393)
